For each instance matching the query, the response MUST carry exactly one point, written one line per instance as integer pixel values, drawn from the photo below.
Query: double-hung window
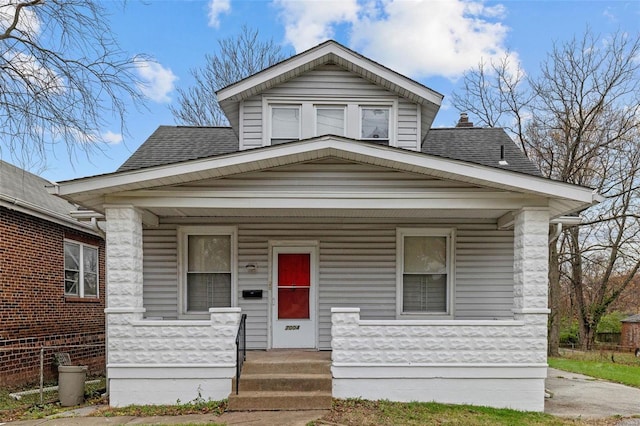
(425, 271)
(285, 123)
(208, 264)
(80, 269)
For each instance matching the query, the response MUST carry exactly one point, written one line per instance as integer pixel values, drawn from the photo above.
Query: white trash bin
(71, 380)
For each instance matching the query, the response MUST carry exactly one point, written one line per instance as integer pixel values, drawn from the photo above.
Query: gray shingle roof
(18, 184)
(632, 318)
(173, 144)
(478, 145)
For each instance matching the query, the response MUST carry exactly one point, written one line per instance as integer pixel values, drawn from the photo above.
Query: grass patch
(197, 406)
(29, 406)
(352, 412)
(615, 372)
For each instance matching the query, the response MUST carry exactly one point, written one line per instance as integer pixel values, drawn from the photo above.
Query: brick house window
(80, 269)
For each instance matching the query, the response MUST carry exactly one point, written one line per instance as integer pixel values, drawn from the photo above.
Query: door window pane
(294, 281)
(330, 121)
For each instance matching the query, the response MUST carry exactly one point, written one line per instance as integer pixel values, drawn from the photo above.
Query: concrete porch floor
(284, 355)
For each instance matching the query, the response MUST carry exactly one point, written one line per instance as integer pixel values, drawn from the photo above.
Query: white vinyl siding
(251, 129)
(357, 269)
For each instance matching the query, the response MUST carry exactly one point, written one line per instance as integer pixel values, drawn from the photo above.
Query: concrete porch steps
(284, 380)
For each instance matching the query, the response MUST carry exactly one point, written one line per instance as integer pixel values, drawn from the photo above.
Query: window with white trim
(80, 269)
(208, 265)
(424, 271)
(285, 123)
(375, 123)
(330, 120)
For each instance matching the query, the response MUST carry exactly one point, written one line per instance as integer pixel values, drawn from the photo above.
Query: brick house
(51, 281)
(631, 333)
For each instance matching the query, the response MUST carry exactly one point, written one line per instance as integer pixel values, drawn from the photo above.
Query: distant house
(630, 334)
(52, 286)
(336, 218)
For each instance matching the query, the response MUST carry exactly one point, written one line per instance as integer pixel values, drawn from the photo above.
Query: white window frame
(318, 107)
(450, 235)
(392, 126)
(183, 265)
(273, 106)
(81, 270)
(308, 119)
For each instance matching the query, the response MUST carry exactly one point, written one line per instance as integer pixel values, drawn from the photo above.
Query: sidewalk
(578, 396)
(255, 418)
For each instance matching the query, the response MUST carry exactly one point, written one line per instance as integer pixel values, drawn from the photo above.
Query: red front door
(294, 302)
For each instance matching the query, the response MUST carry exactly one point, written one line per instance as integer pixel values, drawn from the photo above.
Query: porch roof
(561, 198)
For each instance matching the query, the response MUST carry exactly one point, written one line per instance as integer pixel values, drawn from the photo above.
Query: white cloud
(217, 8)
(28, 23)
(308, 23)
(112, 138)
(418, 38)
(158, 81)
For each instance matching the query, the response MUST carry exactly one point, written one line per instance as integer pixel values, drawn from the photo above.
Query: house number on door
(292, 327)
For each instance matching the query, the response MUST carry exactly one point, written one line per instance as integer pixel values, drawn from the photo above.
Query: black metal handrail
(241, 348)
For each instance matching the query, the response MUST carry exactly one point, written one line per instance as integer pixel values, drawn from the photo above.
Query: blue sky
(430, 41)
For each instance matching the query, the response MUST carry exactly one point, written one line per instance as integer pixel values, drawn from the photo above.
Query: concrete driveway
(577, 396)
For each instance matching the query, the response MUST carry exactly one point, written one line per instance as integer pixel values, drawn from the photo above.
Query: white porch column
(531, 261)
(124, 260)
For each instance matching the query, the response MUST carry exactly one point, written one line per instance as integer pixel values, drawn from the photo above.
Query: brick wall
(34, 311)
(630, 335)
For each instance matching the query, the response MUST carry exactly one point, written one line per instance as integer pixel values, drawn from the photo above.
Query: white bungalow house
(336, 218)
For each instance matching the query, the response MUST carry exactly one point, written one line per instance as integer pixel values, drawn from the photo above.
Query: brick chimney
(464, 120)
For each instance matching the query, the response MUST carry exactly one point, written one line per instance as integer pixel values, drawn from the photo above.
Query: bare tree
(63, 76)
(579, 121)
(238, 57)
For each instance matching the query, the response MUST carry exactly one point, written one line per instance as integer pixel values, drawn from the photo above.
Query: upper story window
(208, 265)
(80, 269)
(425, 283)
(285, 123)
(374, 123)
(330, 120)
(289, 120)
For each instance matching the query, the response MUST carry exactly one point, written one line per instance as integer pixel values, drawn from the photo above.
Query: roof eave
(574, 198)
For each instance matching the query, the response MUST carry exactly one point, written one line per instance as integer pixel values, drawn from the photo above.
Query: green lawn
(355, 412)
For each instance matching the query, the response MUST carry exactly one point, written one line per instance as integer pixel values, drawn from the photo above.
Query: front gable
(329, 77)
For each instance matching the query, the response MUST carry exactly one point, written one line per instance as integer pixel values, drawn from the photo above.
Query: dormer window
(330, 120)
(288, 120)
(285, 123)
(374, 123)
